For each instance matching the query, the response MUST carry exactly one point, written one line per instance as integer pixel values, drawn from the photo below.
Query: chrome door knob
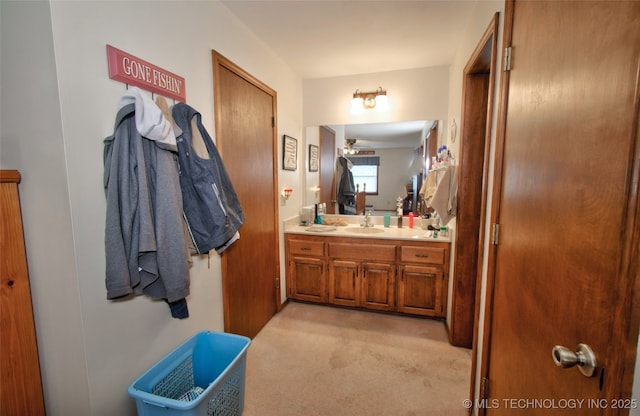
(583, 357)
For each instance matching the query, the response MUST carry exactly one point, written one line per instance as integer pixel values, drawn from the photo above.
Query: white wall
(311, 179)
(395, 171)
(413, 94)
(31, 140)
(57, 106)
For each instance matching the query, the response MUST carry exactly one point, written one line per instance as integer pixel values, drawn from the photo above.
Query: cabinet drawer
(380, 252)
(306, 248)
(413, 254)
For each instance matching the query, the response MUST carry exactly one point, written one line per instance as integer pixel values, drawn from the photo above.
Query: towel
(444, 200)
(429, 187)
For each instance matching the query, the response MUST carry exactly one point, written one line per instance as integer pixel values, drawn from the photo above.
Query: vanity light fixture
(376, 100)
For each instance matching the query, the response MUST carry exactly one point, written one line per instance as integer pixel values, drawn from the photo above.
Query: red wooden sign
(132, 70)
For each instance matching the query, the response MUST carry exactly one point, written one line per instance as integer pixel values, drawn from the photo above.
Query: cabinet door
(420, 290)
(307, 279)
(378, 283)
(344, 283)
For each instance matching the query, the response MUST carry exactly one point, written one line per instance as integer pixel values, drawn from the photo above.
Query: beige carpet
(320, 360)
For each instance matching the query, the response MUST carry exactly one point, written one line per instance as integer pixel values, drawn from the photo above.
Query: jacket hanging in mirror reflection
(346, 190)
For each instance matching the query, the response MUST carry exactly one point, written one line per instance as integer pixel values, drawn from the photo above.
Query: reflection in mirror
(399, 148)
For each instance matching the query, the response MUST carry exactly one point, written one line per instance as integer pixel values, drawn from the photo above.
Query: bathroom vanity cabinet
(407, 276)
(306, 266)
(362, 275)
(423, 273)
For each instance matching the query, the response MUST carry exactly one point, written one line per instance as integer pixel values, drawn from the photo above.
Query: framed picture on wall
(313, 158)
(290, 153)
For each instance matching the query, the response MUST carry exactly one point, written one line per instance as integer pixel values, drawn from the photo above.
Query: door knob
(584, 358)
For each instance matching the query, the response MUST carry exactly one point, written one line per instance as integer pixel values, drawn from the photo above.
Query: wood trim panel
(20, 385)
(503, 94)
(626, 324)
(9, 176)
(475, 132)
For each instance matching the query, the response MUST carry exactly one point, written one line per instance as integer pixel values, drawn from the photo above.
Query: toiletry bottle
(411, 220)
(399, 221)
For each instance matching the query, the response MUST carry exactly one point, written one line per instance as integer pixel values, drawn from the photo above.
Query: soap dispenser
(399, 211)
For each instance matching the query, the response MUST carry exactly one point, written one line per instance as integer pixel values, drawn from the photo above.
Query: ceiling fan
(350, 146)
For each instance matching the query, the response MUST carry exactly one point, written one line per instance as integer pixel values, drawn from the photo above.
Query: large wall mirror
(399, 147)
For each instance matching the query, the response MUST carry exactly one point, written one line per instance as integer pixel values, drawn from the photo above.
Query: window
(365, 171)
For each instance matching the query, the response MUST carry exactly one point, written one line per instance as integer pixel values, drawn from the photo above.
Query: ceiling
(331, 38)
(407, 134)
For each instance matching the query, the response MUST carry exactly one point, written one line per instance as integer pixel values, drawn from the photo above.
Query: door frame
(480, 66)
(327, 195)
(475, 143)
(501, 125)
(220, 60)
(626, 316)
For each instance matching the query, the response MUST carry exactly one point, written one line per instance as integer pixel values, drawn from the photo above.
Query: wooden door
(307, 279)
(344, 282)
(246, 138)
(567, 250)
(20, 384)
(378, 284)
(420, 290)
(327, 168)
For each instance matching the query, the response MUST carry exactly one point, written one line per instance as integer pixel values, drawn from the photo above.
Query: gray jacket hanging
(145, 248)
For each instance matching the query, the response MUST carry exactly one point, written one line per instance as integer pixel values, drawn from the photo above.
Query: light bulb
(381, 103)
(356, 105)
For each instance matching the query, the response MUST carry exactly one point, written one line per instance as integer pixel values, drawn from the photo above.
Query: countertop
(353, 229)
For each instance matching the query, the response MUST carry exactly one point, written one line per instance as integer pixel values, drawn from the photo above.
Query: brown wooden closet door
(566, 258)
(245, 126)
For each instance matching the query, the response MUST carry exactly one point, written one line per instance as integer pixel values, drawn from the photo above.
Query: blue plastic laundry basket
(204, 376)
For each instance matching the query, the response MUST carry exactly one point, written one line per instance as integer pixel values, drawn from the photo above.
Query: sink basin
(364, 230)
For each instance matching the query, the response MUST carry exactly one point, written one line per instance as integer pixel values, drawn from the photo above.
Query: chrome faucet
(367, 219)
